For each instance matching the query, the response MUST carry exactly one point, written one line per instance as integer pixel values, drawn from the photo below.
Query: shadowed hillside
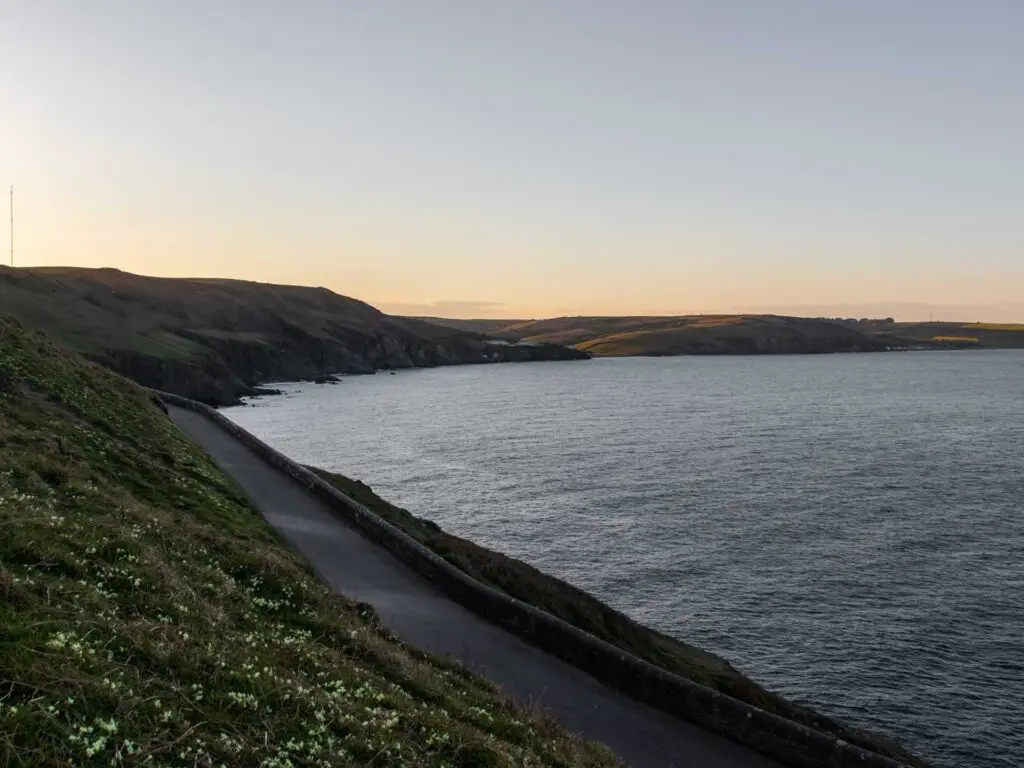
(214, 340)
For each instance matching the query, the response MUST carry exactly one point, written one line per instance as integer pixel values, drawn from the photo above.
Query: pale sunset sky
(526, 158)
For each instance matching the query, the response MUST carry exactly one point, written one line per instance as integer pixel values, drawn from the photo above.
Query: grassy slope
(612, 336)
(577, 607)
(997, 335)
(703, 334)
(686, 334)
(114, 308)
(147, 613)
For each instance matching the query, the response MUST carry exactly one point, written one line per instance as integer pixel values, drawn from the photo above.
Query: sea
(846, 529)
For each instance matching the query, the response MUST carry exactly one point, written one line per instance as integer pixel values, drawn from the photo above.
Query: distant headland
(218, 340)
(742, 334)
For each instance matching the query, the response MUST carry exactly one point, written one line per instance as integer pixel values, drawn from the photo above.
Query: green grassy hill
(214, 340)
(148, 615)
(683, 335)
(730, 334)
(740, 334)
(988, 335)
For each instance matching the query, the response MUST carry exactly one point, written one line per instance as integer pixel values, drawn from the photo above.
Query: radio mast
(12, 225)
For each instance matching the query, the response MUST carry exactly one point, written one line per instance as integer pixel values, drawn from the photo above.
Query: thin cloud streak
(452, 309)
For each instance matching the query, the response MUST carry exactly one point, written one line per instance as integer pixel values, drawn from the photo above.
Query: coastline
(455, 560)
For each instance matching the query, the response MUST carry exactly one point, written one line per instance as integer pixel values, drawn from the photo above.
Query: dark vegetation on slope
(148, 615)
(575, 606)
(216, 340)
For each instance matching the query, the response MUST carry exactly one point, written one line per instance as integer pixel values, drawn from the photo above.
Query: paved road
(422, 616)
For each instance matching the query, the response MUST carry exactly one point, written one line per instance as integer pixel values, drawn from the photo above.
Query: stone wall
(790, 743)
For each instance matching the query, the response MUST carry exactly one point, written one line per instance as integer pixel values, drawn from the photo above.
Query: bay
(846, 529)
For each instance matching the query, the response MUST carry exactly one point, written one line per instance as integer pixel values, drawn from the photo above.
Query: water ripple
(846, 529)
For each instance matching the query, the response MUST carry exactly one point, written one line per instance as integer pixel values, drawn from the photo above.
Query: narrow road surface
(416, 611)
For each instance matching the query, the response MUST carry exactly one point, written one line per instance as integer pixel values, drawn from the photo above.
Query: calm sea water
(847, 529)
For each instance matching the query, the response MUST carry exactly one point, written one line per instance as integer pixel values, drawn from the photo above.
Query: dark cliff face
(208, 380)
(234, 369)
(217, 340)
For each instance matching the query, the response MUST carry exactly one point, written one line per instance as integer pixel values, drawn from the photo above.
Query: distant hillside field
(740, 334)
(700, 335)
(214, 340)
(684, 335)
(992, 335)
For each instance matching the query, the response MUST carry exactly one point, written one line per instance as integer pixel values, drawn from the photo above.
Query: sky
(528, 159)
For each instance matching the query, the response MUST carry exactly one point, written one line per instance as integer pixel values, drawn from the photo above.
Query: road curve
(416, 611)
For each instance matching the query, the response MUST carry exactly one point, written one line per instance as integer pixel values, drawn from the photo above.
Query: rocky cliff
(217, 340)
